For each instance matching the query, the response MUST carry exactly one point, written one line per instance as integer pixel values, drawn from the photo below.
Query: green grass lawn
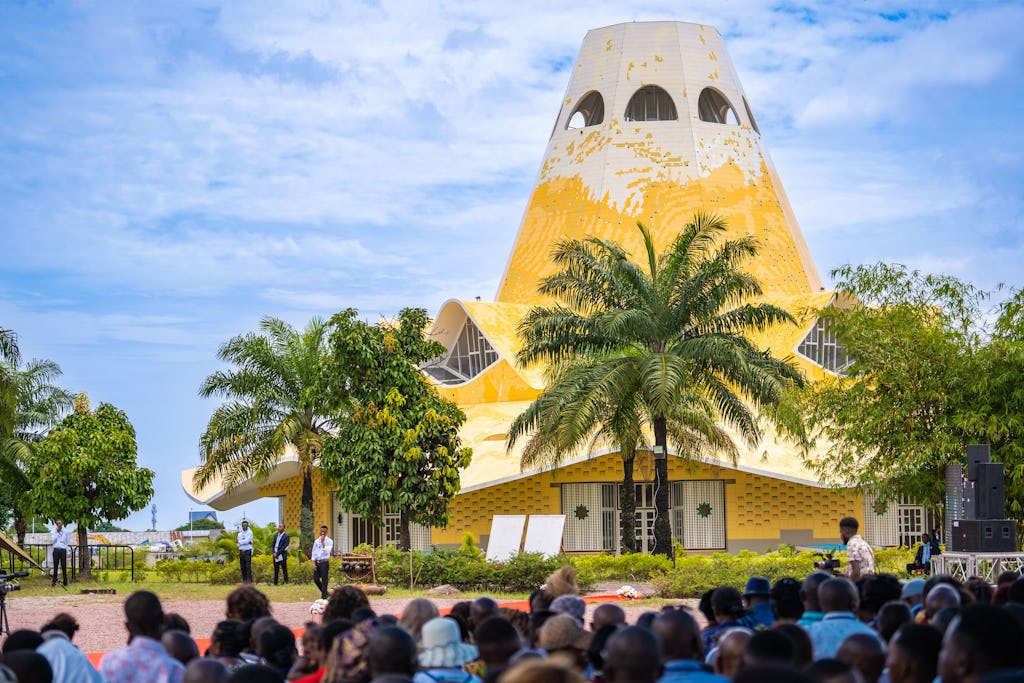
(172, 590)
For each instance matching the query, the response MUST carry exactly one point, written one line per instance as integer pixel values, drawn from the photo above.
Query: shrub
(625, 568)
(695, 574)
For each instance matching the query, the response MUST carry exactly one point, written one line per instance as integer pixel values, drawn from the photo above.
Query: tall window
(821, 346)
(713, 107)
(589, 112)
(470, 356)
(651, 103)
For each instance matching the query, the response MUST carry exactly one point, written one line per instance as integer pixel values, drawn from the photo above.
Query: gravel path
(102, 617)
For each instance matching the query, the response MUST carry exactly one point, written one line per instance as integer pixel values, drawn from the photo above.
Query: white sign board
(544, 535)
(506, 533)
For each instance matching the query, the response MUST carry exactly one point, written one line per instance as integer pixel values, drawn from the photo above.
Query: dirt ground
(101, 617)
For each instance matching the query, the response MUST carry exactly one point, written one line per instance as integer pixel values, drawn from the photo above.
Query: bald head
(607, 613)
(838, 595)
(205, 671)
(391, 650)
(809, 590)
(732, 648)
(180, 646)
(865, 653)
(632, 657)
(679, 636)
(256, 632)
(940, 597)
(481, 609)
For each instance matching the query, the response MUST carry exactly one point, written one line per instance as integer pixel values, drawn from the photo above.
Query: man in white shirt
(321, 556)
(59, 539)
(244, 541)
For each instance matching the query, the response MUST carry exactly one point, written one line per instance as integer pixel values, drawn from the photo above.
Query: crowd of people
(823, 628)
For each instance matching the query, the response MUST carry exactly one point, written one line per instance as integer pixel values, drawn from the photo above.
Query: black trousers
(321, 576)
(926, 568)
(60, 559)
(283, 566)
(245, 561)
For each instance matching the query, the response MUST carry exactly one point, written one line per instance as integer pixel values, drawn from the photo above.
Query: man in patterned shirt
(144, 659)
(860, 558)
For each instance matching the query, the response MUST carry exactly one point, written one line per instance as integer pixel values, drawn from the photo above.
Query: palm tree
(29, 406)
(569, 418)
(661, 345)
(274, 400)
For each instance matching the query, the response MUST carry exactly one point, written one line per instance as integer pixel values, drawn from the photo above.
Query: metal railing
(101, 558)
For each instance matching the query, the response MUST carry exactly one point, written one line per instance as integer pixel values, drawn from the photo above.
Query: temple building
(654, 126)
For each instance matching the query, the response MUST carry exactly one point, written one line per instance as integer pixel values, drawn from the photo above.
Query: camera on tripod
(6, 581)
(827, 563)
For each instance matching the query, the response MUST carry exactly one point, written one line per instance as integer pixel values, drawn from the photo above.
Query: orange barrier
(523, 605)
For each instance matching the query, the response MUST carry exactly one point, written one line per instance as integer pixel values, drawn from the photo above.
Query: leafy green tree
(85, 471)
(890, 424)
(204, 524)
(399, 448)
(29, 405)
(273, 403)
(104, 526)
(664, 342)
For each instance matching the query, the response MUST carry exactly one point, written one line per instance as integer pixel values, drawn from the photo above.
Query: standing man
(59, 539)
(860, 558)
(244, 541)
(280, 551)
(321, 556)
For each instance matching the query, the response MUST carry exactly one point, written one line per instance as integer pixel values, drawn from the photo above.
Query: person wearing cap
(757, 600)
(913, 594)
(444, 654)
(571, 605)
(562, 637)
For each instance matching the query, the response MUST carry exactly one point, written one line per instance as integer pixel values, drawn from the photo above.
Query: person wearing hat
(912, 594)
(444, 654)
(564, 638)
(757, 600)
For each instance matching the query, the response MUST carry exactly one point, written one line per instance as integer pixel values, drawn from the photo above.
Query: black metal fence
(101, 558)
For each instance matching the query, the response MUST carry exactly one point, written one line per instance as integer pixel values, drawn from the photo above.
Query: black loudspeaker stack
(983, 528)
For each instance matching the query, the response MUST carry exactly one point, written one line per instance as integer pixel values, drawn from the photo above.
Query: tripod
(5, 627)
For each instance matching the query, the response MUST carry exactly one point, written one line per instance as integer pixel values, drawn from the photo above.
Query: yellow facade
(760, 511)
(291, 490)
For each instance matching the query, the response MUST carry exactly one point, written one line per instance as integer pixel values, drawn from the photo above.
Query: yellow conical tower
(653, 127)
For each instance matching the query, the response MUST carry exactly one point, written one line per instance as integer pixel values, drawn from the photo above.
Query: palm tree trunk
(84, 561)
(404, 533)
(627, 505)
(306, 513)
(662, 525)
(20, 526)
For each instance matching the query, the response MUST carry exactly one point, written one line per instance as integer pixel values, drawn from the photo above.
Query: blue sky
(172, 172)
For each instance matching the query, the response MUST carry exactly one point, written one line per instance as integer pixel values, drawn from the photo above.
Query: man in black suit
(280, 552)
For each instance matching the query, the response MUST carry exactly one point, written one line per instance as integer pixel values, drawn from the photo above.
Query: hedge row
(695, 574)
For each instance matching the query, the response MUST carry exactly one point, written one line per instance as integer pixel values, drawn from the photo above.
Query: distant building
(654, 126)
(197, 515)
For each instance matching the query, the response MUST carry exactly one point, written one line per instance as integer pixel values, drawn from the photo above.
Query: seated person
(922, 561)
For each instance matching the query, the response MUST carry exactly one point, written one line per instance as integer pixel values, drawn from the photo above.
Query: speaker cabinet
(977, 454)
(970, 504)
(984, 536)
(990, 491)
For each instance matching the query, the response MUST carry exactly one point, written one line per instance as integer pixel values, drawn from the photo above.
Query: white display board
(506, 533)
(544, 535)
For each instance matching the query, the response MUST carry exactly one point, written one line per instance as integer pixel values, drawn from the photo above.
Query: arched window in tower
(821, 346)
(713, 107)
(589, 112)
(750, 116)
(651, 103)
(469, 356)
